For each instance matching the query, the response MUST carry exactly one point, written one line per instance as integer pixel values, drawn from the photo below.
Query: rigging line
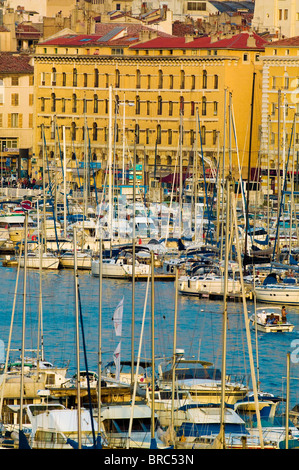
(86, 366)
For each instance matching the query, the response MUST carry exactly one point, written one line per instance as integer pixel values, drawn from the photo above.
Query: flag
(116, 356)
(118, 317)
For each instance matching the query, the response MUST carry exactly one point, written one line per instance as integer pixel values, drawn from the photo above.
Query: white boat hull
(196, 286)
(278, 294)
(34, 262)
(119, 271)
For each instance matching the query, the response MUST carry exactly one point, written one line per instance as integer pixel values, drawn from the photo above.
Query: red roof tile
(291, 42)
(239, 41)
(15, 63)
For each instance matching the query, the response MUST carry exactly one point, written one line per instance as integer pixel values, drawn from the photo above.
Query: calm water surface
(199, 326)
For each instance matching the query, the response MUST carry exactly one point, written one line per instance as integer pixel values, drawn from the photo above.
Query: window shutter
(20, 120)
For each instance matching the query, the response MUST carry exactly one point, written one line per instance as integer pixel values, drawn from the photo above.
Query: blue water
(199, 326)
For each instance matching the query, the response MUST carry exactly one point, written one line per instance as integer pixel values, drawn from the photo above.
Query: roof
(238, 41)
(27, 31)
(233, 6)
(15, 63)
(288, 42)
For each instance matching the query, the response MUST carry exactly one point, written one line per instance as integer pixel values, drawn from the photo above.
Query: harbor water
(199, 326)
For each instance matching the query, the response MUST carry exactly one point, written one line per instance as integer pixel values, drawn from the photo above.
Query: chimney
(189, 38)
(251, 42)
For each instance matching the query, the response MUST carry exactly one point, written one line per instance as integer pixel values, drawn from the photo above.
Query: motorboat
(115, 419)
(269, 320)
(200, 428)
(52, 426)
(120, 267)
(207, 284)
(201, 380)
(67, 260)
(47, 261)
(272, 291)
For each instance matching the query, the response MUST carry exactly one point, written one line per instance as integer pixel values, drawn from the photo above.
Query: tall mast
(77, 340)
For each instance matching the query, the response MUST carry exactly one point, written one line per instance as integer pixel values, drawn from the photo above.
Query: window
(286, 14)
(117, 51)
(286, 82)
(171, 82)
(53, 76)
(137, 105)
(14, 120)
(170, 111)
(215, 108)
(107, 80)
(42, 104)
(73, 131)
(196, 6)
(75, 77)
(203, 135)
(84, 108)
(137, 134)
(117, 78)
(148, 82)
(192, 82)
(15, 99)
(192, 108)
(158, 134)
(147, 133)
(138, 79)
(94, 131)
(273, 83)
(159, 109)
(182, 79)
(169, 136)
(53, 102)
(245, 57)
(96, 78)
(95, 104)
(204, 106)
(280, 14)
(31, 99)
(85, 79)
(182, 105)
(31, 80)
(63, 105)
(192, 137)
(148, 107)
(204, 79)
(74, 102)
(63, 79)
(160, 79)
(215, 82)
(215, 136)
(14, 81)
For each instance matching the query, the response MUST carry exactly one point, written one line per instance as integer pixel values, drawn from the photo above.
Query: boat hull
(278, 295)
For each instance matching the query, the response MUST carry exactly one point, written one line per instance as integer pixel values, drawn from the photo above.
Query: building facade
(161, 98)
(280, 111)
(16, 112)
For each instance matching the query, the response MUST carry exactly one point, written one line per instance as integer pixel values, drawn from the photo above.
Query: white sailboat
(120, 268)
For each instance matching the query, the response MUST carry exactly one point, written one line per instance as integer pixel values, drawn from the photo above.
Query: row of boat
(187, 403)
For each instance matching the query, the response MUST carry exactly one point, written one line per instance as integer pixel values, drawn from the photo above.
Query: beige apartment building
(16, 112)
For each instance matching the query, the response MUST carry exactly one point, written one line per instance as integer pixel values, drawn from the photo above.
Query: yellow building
(143, 93)
(280, 112)
(16, 112)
